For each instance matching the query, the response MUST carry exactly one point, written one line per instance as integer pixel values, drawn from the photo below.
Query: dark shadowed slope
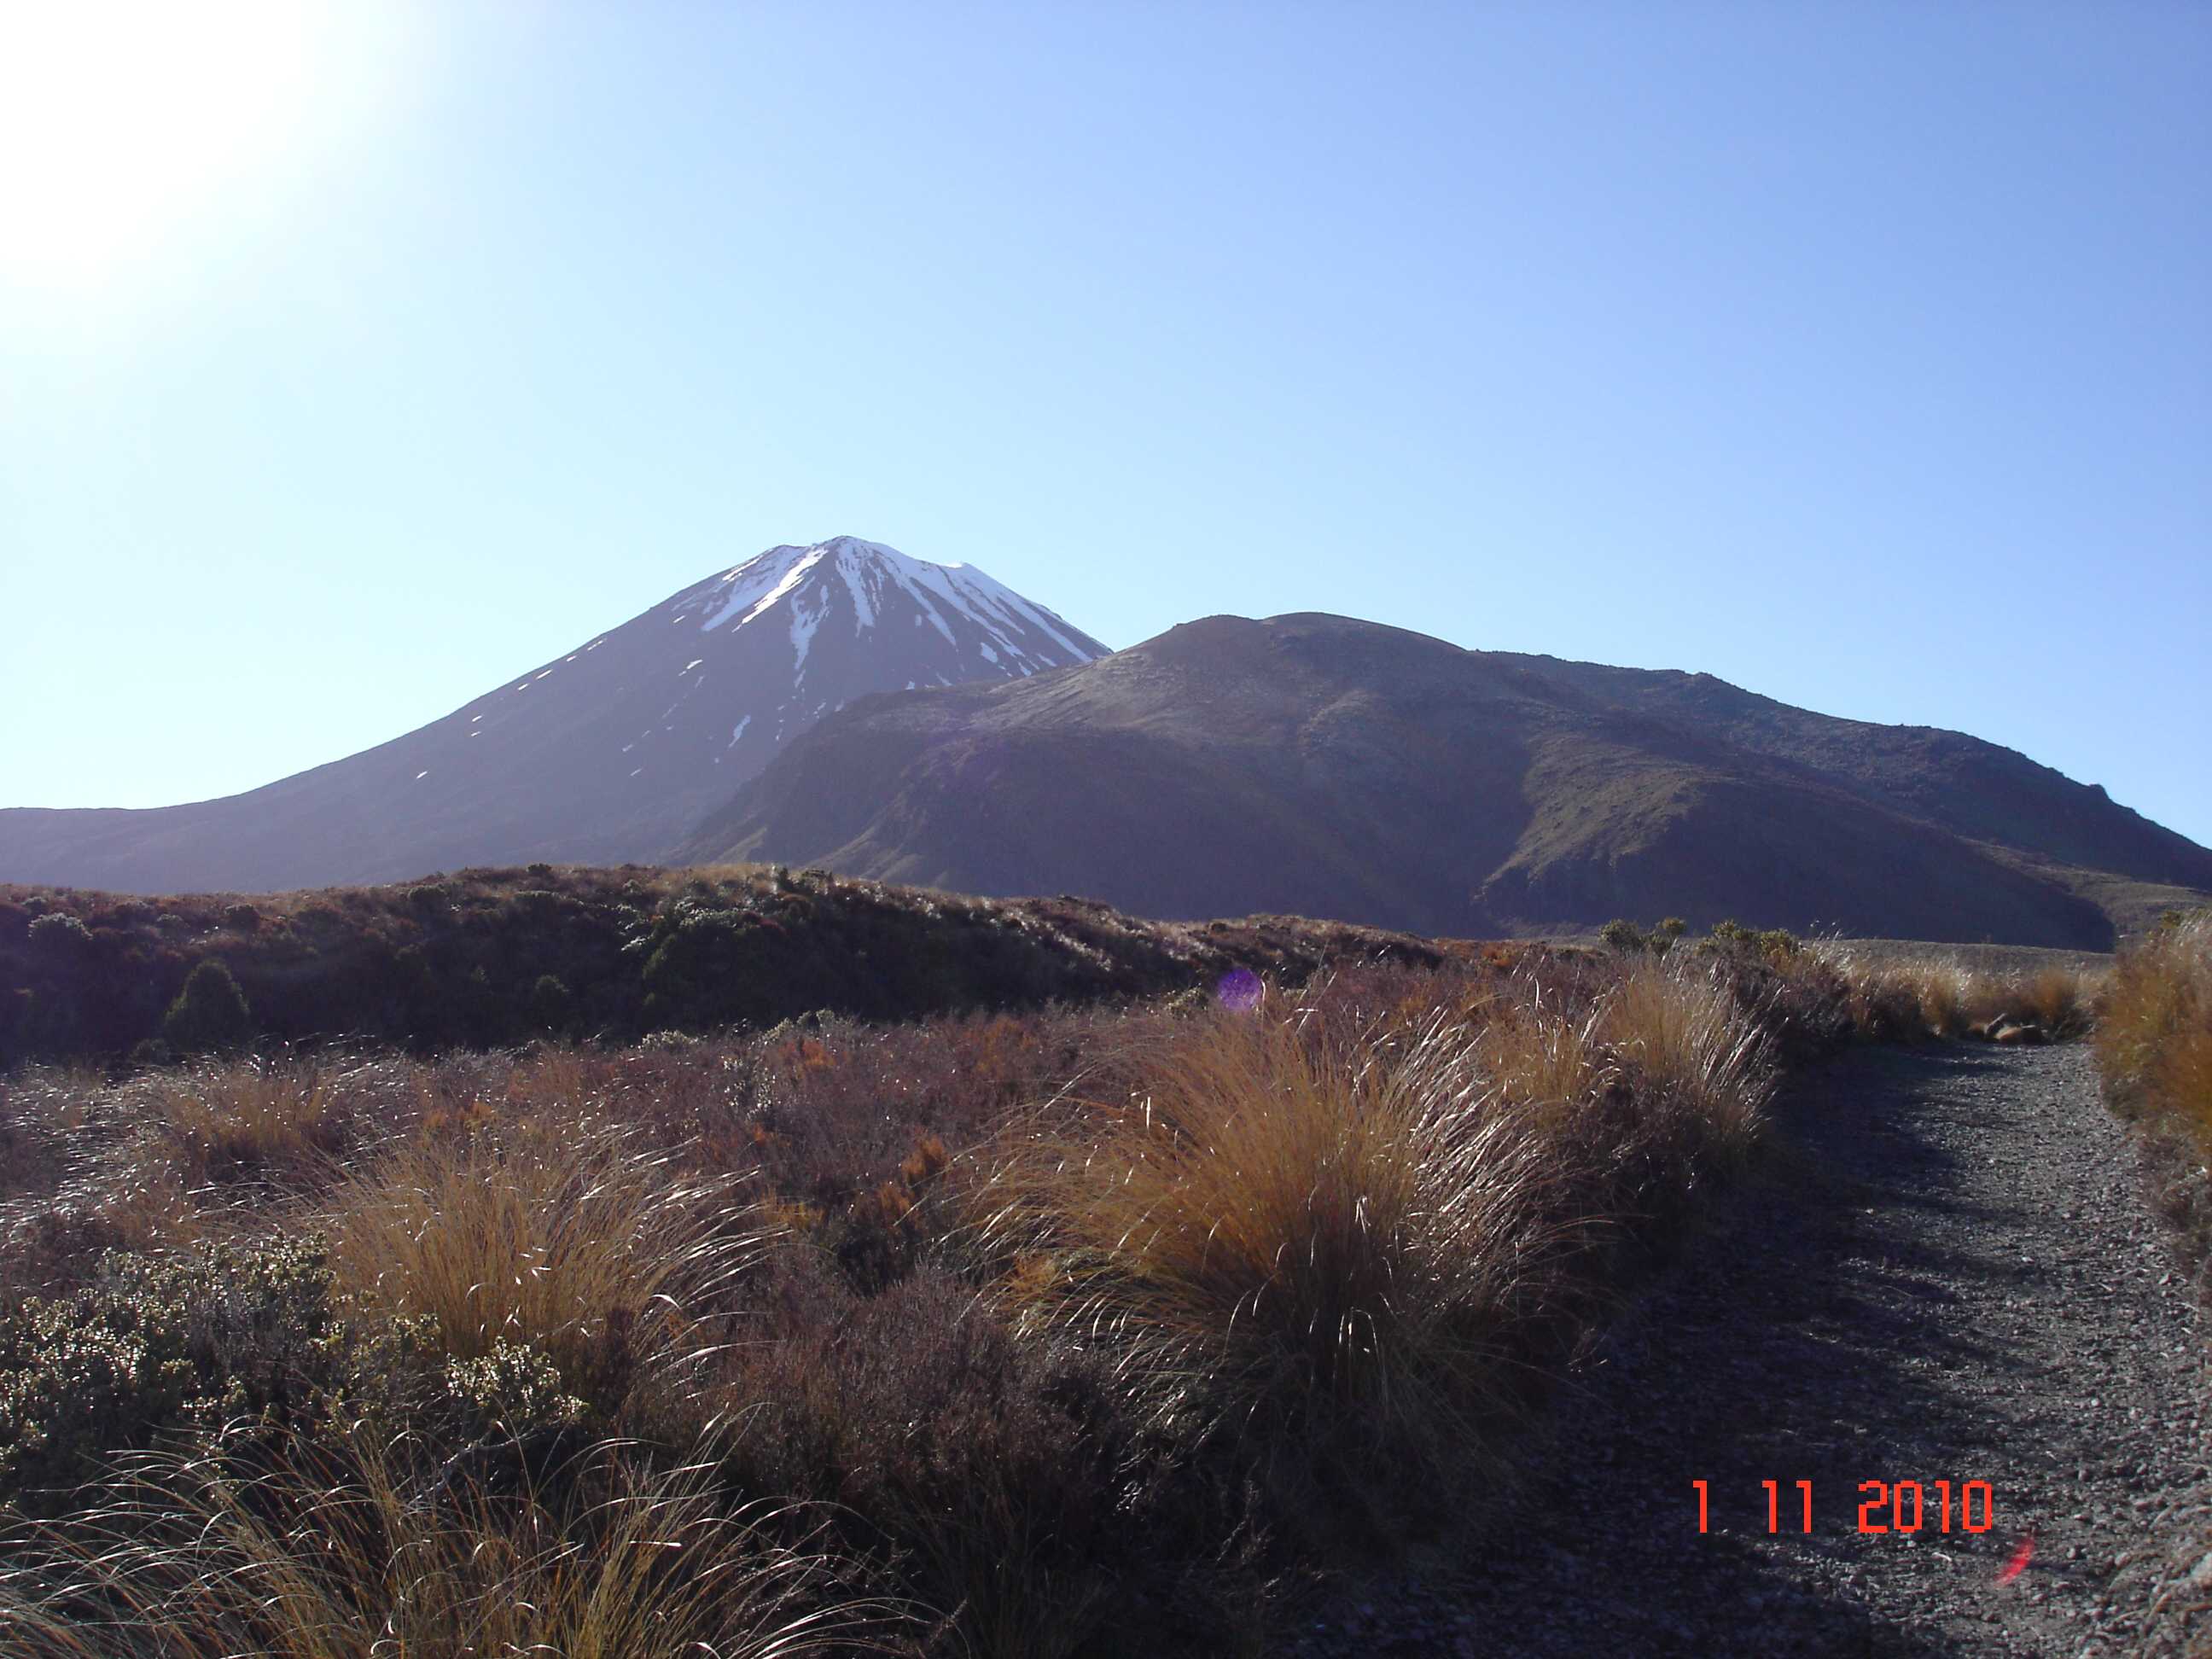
(607, 753)
(1327, 767)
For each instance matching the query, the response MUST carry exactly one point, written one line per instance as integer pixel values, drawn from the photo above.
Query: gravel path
(1945, 1273)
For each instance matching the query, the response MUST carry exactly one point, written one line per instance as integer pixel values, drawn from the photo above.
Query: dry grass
(1541, 1057)
(1893, 997)
(1697, 1053)
(2154, 1030)
(571, 1237)
(1944, 993)
(1297, 1240)
(2058, 999)
(365, 1551)
(1038, 1306)
(1359, 1242)
(263, 1116)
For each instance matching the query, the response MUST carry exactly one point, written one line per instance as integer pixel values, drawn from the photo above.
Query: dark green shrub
(552, 1008)
(431, 900)
(1622, 935)
(49, 1022)
(209, 1013)
(59, 940)
(244, 918)
(541, 905)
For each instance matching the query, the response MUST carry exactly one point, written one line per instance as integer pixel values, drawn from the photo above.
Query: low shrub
(1003, 1471)
(155, 1345)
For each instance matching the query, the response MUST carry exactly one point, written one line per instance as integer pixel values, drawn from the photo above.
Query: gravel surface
(1944, 1272)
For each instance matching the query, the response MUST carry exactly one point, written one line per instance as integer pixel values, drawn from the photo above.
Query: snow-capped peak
(798, 588)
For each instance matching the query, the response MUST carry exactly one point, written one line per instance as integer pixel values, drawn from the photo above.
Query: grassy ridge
(490, 958)
(1068, 1330)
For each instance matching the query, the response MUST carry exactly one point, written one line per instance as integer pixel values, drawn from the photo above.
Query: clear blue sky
(1861, 355)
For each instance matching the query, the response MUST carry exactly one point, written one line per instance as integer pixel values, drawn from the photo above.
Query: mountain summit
(711, 684)
(612, 752)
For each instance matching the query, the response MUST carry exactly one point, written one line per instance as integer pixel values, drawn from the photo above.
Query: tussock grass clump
(2058, 999)
(1539, 1055)
(365, 1549)
(1702, 1061)
(274, 1117)
(2155, 1027)
(1905, 1000)
(1353, 1245)
(1280, 1236)
(572, 1239)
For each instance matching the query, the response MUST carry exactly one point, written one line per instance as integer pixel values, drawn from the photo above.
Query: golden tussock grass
(1889, 1000)
(1539, 1056)
(573, 1237)
(257, 1117)
(2059, 999)
(1303, 1234)
(1700, 1056)
(2155, 1027)
(1279, 1236)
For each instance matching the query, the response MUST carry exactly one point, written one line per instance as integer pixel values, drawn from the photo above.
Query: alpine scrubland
(1082, 1327)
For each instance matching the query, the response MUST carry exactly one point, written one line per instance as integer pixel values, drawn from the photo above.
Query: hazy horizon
(357, 359)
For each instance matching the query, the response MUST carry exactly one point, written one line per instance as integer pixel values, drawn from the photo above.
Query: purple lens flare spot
(1239, 990)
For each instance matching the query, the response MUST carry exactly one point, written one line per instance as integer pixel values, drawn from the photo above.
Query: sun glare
(124, 124)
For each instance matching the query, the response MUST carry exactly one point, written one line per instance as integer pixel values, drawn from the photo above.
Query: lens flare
(1239, 990)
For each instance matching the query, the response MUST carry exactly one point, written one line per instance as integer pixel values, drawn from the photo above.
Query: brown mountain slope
(2026, 813)
(1327, 767)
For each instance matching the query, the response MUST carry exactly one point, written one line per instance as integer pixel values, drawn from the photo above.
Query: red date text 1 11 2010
(1906, 1506)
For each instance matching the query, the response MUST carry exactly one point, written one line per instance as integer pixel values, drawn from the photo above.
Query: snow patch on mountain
(802, 624)
(790, 578)
(737, 589)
